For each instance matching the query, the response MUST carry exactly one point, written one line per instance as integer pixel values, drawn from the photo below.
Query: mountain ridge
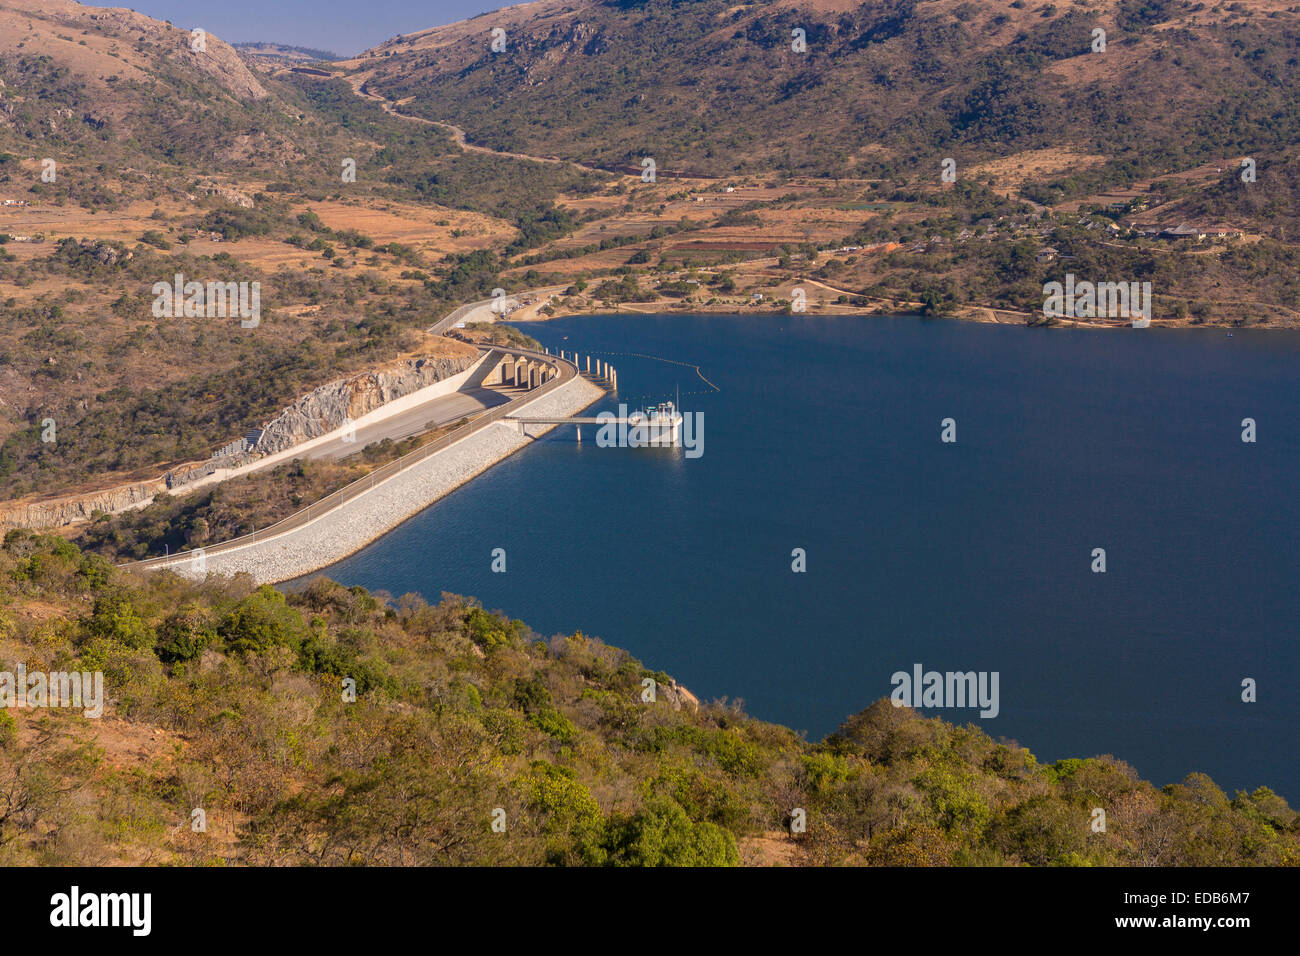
(611, 81)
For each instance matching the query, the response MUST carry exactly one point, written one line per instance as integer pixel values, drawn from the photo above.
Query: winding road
(359, 82)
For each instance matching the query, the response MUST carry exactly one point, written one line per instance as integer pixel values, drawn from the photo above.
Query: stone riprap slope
(352, 526)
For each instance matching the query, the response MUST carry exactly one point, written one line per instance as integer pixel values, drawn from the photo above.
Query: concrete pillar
(579, 434)
(588, 364)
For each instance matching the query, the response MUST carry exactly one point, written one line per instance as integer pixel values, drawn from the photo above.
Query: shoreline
(142, 491)
(979, 315)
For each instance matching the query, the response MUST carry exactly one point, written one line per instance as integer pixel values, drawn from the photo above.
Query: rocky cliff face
(347, 399)
(63, 511)
(316, 413)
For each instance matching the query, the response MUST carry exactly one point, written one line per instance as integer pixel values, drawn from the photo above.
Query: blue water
(968, 556)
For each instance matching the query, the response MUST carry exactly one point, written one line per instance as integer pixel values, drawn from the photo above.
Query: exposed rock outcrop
(320, 411)
(179, 477)
(207, 187)
(56, 512)
(678, 696)
(334, 404)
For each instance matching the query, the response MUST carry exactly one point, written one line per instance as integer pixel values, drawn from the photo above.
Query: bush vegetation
(230, 697)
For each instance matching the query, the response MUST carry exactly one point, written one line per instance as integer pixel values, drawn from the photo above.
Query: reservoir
(976, 555)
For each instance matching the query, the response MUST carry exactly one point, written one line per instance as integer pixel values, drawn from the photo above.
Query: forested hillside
(230, 699)
(883, 88)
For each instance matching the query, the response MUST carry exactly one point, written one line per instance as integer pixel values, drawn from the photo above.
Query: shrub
(572, 820)
(260, 621)
(662, 834)
(185, 633)
(115, 618)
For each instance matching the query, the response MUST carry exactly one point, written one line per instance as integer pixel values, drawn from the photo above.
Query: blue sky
(343, 26)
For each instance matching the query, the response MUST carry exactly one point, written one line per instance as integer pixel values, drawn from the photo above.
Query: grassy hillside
(227, 698)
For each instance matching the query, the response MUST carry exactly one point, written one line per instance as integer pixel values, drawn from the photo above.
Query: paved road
(484, 310)
(443, 410)
(470, 401)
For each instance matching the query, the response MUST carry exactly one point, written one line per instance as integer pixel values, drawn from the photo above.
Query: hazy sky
(342, 26)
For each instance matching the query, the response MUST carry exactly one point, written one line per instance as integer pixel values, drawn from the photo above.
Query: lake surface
(968, 556)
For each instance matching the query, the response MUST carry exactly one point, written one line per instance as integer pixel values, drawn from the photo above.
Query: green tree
(259, 621)
(573, 822)
(662, 834)
(115, 618)
(185, 633)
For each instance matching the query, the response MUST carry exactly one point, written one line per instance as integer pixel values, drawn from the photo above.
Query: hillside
(284, 53)
(203, 163)
(229, 699)
(885, 87)
(81, 77)
(816, 171)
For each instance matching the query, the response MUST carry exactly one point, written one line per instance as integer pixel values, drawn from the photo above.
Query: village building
(1223, 231)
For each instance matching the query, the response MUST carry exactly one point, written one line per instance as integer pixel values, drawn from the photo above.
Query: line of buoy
(660, 358)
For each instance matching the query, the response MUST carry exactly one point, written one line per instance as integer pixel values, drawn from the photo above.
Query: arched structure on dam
(519, 371)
